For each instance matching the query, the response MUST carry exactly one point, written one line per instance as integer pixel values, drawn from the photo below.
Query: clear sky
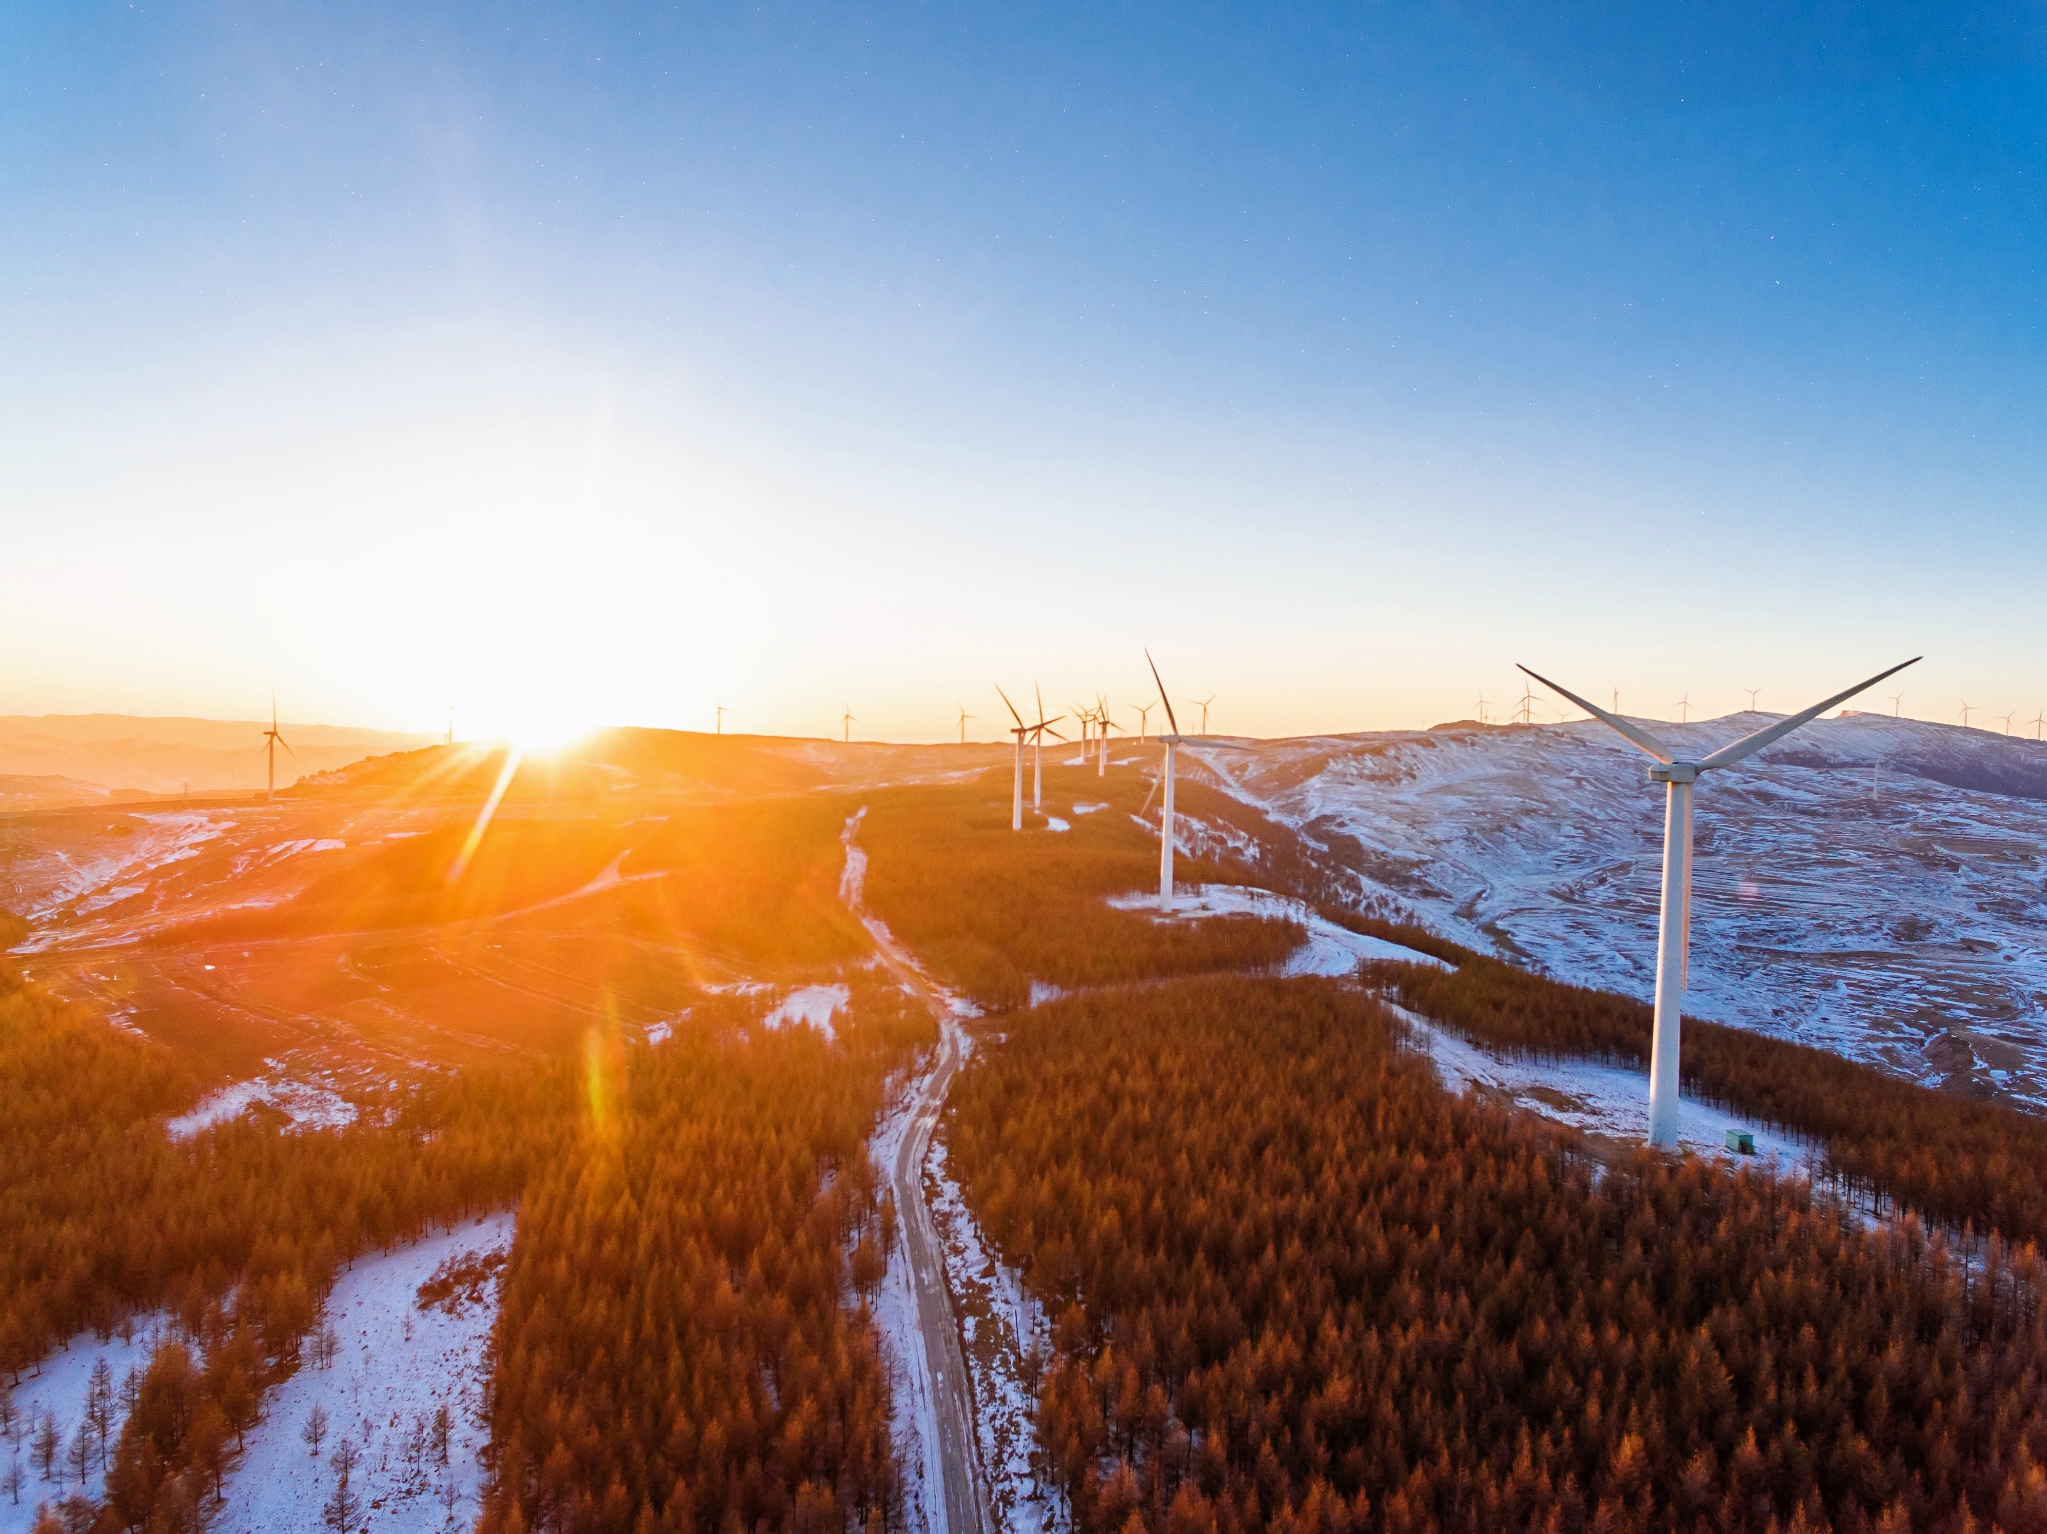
(580, 363)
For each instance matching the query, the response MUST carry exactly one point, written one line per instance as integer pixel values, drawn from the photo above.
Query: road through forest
(962, 1506)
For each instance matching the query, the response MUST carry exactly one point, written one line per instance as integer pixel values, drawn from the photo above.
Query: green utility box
(1741, 1142)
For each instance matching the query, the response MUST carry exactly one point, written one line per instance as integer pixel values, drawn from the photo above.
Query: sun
(547, 734)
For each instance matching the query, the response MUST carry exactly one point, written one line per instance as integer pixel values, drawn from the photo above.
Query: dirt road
(963, 1507)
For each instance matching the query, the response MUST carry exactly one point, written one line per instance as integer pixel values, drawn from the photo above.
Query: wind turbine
(1107, 724)
(1965, 713)
(271, 741)
(1038, 733)
(451, 724)
(1684, 708)
(2007, 721)
(1143, 712)
(1897, 699)
(1021, 730)
(1173, 741)
(1204, 702)
(1673, 939)
(2037, 721)
(848, 723)
(1752, 691)
(1481, 708)
(964, 717)
(721, 720)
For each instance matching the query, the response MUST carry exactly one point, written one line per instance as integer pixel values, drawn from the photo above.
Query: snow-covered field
(394, 1365)
(811, 1006)
(1869, 885)
(1006, 1334)
(115, 870)
(58, 1390)
(306, 1105)
(1329, 949)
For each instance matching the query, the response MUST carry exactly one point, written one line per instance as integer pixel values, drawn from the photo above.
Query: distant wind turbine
(1965, 713)
(964, 717)
(1143, 712)
(1038, 733)
(1673, 940)
(451, 724)
(271, 741)
(848, 723)
(1752, 691)
(2038, 720)
(1204, 702)
(1021, 730)
(2007, 721)
(1107, 723)
(1897, 701)
(1173, 741)
(721, 720)
(1684, 709)
(1481, 708)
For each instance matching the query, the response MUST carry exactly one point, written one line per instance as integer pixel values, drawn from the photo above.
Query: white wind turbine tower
(1038, 733)
(1143, 712)
(2038, 719)
(1204, 702)
(1107, 724)
(847, 722)
(1965, 713)
(1021, 730)
(271, 741)
(964, 717)
(1673, 939)
(1752, 691)
(1173, 740)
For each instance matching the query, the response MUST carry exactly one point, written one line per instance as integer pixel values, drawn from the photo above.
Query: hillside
(1870, 885)
(170, 755)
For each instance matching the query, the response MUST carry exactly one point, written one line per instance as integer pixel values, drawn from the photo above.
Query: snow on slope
(1869, 885)
(1329, 949)
(395, 1365)
(307, 1106)
(58, 1390)
(1005, 1335)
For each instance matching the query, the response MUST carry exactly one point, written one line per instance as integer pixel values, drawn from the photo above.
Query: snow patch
(1007, 1338)
(395, 1364)
(1603, 1099)
(1043, 991)
(57, 1390)
(1088, 809)
(307, 1106)
(812, 1005)
(1329, 949)
(1054, 823)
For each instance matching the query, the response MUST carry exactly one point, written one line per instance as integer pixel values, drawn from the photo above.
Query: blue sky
(608, 363)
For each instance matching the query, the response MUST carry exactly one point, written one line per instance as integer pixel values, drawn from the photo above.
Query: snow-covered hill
(1871, 885)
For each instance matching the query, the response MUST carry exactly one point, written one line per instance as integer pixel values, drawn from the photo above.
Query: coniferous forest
(1298, 1285)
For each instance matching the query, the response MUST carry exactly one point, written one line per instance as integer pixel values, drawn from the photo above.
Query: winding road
(963, 1507)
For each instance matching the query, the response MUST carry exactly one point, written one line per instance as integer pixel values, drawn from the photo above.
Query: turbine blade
(1633, 732)
(1011, 706)
(286, 744)
(1749, 745)
(1162, 692)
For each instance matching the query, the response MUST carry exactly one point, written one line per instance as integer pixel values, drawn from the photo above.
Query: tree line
(1887, 1143)
(1300, 1286)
